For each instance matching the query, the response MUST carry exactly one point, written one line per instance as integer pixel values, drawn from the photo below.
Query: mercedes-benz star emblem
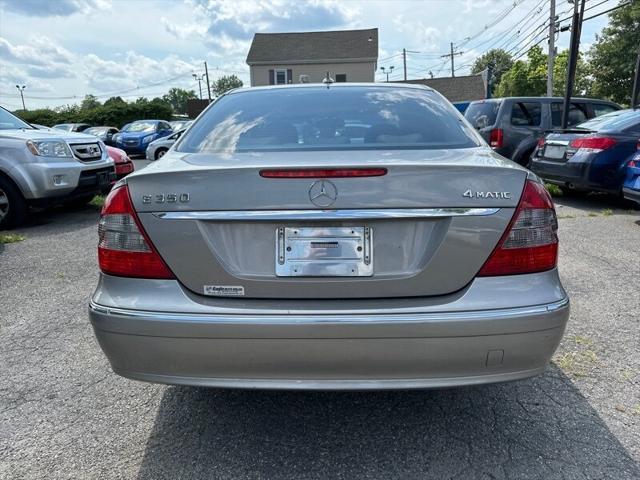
(323, 193)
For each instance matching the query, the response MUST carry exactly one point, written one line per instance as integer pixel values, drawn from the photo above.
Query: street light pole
(389, 72)
(199, 78)
(21, 90)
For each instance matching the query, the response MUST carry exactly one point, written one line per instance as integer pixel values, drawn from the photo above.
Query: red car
(124, 165)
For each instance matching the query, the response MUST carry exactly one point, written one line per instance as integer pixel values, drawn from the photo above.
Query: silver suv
(40, 167)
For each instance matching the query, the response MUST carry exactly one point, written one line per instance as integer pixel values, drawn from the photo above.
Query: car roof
(537, 99)
(332, 85)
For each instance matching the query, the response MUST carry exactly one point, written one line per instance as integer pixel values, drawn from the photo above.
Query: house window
(281, 77)
(341, 77)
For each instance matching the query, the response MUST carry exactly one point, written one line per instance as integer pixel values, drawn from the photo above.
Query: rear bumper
(631, 194)
(331, 351)
(563, 173)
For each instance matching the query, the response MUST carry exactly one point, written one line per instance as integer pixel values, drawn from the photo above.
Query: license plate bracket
(324, 252)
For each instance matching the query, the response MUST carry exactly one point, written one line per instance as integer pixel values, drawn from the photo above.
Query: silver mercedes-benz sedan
(352, 236)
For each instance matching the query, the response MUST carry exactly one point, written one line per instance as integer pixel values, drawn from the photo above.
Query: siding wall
(356, 72)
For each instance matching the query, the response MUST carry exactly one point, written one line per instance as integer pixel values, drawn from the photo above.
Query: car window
(620, 121)
(526, 114)
(140, 127)
(577, 114)
(482, 114)
(8, 121)
(320, 118)
(603, 109)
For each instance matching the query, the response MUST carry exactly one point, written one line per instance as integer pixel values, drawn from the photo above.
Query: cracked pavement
(63, 414)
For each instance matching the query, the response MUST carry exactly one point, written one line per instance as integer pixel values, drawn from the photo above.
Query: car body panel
(134, 142)
(162, 145)
(585, 169)
(520, 140)
(420, 317)
(34, 174)
(631, 185)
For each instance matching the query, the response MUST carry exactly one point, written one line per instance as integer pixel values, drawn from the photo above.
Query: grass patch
(607, 212)
(554, 190)
(11, 237)
(582, 360)
(593, 214)
(97, 201)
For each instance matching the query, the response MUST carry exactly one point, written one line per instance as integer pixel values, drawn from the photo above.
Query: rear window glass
(602, 109)
(482, 114)
(526, 114)
(334, 118)
(577, 114)
(619, 121)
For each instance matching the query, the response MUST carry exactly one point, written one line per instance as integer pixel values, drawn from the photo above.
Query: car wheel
(13, 208)
(160, 153)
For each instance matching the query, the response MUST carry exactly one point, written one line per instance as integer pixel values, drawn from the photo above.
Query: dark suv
(513, 125)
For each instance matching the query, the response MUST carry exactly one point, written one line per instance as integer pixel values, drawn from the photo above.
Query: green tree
(89, 102)
(177, 98)
(499, 60)
(582, 83)
(613, 55)
(224, 84)
(525, 77)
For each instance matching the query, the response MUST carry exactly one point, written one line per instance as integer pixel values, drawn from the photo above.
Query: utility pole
(21, 90)
(635, 93)
(452, 55)
(389, 72)
(206, 72)
(552, 46)
(576, 27)
(404, 62)
(199, 78)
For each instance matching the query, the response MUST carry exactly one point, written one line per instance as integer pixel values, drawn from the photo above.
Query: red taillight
(530, 243)
(496, 138)
(541, 142)
(593, 143)
(633, 164)
(123, 246)
(324, 173)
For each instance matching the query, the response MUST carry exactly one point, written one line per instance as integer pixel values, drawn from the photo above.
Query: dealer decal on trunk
(224, 290)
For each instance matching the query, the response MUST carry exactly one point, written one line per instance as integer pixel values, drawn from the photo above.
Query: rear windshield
(334, 118)
(482, 114)
(618, 121)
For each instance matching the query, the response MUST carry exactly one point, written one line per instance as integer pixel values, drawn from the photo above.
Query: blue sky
(64, 49)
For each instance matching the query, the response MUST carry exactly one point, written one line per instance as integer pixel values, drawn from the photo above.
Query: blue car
(135, 137)
(590, 156)
(631, 186)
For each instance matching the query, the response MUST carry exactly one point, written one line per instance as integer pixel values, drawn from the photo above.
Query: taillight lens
(496, 138)
(593, 144)
(530, 243)
(123, 247)
(633, 164)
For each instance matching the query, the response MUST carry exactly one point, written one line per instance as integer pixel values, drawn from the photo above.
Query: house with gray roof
(306, 57)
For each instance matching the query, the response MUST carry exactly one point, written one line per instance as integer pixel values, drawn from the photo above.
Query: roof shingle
(456, 89)
(314, 47)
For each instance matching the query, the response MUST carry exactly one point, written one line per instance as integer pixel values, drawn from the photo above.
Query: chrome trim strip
(348, 214)
(346, 318)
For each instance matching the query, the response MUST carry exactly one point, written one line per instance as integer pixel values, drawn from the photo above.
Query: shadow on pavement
(540, 428)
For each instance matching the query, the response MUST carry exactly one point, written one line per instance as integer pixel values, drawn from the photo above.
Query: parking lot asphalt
(64, 414)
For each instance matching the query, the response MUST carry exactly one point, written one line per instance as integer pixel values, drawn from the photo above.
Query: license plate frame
(324, 251)
(555, 152)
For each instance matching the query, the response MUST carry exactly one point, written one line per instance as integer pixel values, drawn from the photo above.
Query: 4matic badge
(473, 194)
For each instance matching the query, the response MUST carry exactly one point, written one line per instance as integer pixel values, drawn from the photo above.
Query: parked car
(123, 164)
(631, 185)
(136, 136)
(592, 155)
(158, 148)
(41, 167)
(513, 125)
(103, 133)
(276, 247)
(178, 125)
(72, 127)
